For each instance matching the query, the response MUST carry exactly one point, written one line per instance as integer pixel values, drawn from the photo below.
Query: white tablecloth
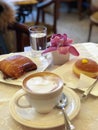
(87, 118)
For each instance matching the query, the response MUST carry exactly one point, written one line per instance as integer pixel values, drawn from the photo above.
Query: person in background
(7, 15)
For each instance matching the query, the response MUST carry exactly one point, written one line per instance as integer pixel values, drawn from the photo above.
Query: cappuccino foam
(42, 84)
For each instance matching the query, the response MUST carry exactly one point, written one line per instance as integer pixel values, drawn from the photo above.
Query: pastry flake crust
(15, 66)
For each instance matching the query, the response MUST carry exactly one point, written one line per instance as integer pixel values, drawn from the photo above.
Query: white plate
(42, 63)
(71, 80)
(29, 117)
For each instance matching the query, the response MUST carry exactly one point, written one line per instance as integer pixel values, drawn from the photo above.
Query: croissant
(15, 66)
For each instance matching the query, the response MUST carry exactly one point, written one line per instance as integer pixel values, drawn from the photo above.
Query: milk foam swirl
(42, 84)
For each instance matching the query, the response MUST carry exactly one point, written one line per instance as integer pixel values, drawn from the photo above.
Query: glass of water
(38, 38)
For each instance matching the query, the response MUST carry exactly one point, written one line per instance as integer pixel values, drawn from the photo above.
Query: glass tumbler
(38, 38)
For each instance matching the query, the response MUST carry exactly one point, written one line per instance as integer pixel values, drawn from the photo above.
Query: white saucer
(29, 117)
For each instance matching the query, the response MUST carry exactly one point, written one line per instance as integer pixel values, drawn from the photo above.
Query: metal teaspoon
(61, 105)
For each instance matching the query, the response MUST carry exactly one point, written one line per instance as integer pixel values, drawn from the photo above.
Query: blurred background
(69, 21)
(77, 18)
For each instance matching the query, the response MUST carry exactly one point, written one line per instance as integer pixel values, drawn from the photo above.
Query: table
(23, 2)
(87, 118)
(24, 8)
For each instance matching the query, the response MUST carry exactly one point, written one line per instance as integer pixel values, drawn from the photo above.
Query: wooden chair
(22, 32)
(93, 17)
(10, 28)
(41, 17)
(21, 29)
(22, 12)
(93, 22)
(22, 35)
(21, 38)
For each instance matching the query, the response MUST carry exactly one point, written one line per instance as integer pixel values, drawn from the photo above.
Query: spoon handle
(68, 124)
(88, 90)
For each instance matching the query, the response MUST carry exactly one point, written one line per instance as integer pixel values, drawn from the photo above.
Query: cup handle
(23, 93)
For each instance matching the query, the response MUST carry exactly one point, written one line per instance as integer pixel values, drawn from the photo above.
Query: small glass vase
(59, 59)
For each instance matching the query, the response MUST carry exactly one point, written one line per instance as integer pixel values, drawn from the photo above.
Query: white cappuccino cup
(42, 91)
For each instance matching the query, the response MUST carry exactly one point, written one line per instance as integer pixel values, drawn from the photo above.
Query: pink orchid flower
(62, 44)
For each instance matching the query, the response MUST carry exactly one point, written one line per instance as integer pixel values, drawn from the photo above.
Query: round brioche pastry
(86, 66)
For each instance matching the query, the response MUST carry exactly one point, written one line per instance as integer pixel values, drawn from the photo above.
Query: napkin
(84, 82)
